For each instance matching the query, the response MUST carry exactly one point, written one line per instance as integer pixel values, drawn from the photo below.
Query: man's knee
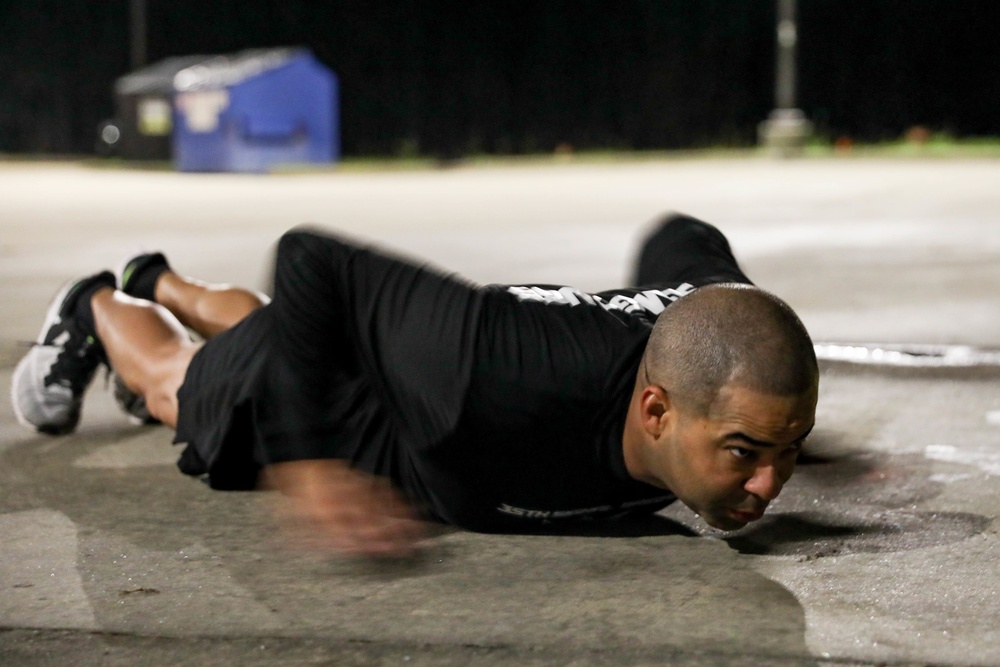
(306, 246)
(296, 243)
(300, 260)
(679, 228)
(680, 247)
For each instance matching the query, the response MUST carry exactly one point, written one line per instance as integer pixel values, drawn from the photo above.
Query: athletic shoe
(131, 403)
(48, 383)
(130, 274)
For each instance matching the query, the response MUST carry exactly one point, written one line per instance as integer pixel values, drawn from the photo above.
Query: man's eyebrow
(750, 441)
(764, 443)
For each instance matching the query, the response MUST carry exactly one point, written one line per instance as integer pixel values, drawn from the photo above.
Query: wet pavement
(883, 549)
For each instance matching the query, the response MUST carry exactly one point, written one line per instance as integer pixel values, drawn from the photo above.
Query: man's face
(727, 466)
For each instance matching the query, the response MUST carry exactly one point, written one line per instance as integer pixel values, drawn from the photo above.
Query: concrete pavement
(882, 550)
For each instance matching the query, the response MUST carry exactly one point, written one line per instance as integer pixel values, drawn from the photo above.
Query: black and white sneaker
(48, 383)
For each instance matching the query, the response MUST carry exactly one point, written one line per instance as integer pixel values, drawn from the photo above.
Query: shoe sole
(19, 370)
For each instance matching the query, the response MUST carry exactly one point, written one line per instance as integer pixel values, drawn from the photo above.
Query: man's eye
(742, 453)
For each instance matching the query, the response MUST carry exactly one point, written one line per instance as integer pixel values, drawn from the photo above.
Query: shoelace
(76, 364)
(75, 368)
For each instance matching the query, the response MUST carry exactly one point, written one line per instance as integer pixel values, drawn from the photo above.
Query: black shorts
(225, 403)
(216, 403)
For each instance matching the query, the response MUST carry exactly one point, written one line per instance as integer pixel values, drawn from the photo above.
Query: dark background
(515, 76)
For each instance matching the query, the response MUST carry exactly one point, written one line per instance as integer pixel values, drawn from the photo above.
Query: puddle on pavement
(908, 355)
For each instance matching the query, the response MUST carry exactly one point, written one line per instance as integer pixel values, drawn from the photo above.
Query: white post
(785, 131)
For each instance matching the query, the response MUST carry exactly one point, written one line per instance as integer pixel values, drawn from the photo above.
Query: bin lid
(201, 72)
(156, 79)
(229, 70)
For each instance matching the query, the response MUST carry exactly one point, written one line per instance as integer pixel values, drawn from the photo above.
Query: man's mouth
(745, 517)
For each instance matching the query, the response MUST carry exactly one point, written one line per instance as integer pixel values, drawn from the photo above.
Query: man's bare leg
(208, 309)
(147, 346)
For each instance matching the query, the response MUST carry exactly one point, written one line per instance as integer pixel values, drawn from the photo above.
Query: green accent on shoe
(127, 274)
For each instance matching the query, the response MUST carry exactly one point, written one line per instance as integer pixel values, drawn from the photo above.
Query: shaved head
(729, 333)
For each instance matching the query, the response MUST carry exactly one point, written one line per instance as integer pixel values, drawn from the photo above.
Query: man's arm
(328, 504)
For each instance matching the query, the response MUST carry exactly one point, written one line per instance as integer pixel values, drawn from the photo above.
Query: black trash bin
(144, 106)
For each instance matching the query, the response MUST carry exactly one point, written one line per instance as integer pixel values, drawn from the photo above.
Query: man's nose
(765, 483)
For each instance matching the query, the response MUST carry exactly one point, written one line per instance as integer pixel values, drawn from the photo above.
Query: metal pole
(137, 16)
(787, 41)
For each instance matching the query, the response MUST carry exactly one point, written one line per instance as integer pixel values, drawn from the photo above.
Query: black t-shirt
(539, 434)
(493, 407)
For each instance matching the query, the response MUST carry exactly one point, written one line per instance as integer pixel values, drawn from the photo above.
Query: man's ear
(656, 412)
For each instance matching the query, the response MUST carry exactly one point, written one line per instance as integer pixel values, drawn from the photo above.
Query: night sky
(453, 77)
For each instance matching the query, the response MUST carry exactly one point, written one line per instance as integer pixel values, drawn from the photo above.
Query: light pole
(137, 30)
(786, 128)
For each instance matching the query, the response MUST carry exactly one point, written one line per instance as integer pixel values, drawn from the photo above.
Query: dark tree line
(511, 76)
